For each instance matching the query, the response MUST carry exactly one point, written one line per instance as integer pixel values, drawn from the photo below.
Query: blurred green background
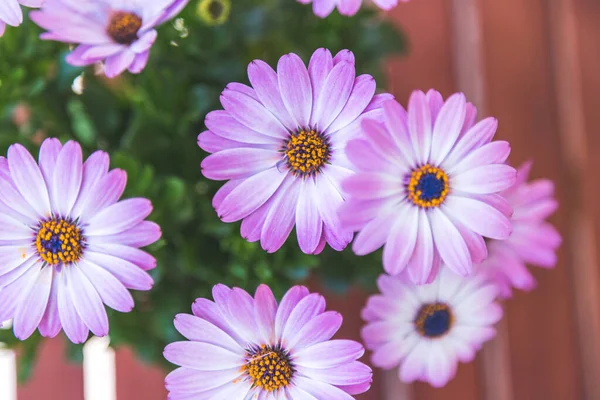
(149, 124)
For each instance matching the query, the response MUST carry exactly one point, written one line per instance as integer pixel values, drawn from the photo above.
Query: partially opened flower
(427, 186)
(244, 347)
(533, 241)
(118, 32)
(281, 146)
(67, 245)
(427, 330)
(11, 13)
(322, 8)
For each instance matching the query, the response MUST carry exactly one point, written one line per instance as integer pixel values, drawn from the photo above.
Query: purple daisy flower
(533, 241)
(11, 14)
(242, 347)
(281, 146)
(427, 329)
(322, 8)
(118, 32)
(67, 245)
(427, 186)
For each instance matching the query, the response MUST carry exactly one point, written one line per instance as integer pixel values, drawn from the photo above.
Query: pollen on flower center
(434, 320)
(123, 27)
(306, 152)
(269, 368)
(59, 240)
(428, 186)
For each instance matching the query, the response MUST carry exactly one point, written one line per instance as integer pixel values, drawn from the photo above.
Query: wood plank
(577, 61)
(53, 378)
(521, 95)
(136, 380)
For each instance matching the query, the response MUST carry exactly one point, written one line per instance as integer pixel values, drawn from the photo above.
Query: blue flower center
(431, 187)
(434, 320)
(428, 186)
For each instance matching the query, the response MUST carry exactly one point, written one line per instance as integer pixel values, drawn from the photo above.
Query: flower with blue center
(427, 330)
(427, 186)
(67, 244)
(245, 347)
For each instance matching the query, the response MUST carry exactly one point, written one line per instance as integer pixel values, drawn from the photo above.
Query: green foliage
(149, 124)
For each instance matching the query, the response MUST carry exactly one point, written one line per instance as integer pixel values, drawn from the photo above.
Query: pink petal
(447, 127)
(265, 310)
(239, 163)
(319, 67)
(450, 243)
(87, 302)
(309, 224)
(252, 193)
(34, 301)
(110, 289)
(199, 330)
(420, 126)
(265, 82)
(119, 217)
(28, 179)
(479, 217)
(67, 177)
(280, 220)
(334, 95)
(485, 179)
(202, 356)
(288, 303)
(295, 88)
(421, 262)
(401, 240)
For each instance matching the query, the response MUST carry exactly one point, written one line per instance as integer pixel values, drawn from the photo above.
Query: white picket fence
(99, 374)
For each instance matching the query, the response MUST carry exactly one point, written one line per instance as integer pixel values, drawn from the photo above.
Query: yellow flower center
(434, 320)
(306, 152)
(58, 241)
(428, 186)
(269, 368)
(124, 26)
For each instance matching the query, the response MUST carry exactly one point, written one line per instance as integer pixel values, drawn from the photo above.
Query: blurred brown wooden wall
(535, 65)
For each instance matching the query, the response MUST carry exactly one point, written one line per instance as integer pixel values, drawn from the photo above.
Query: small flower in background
(322, 8)
(118, 32)
(11, 13)
(67, 245)
(21, 114)
(281, 146)
(427, 330)
(533, 241)
(427, 186)
(214, 12)
(242, 347)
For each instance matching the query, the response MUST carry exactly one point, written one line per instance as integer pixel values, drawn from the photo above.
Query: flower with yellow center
(281, 143)
(250, 347)
(69, 246)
